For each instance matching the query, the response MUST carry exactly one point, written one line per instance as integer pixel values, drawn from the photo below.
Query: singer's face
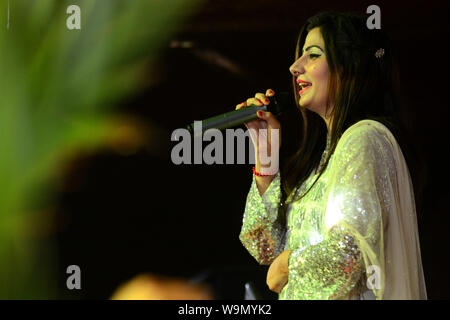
(312, 67)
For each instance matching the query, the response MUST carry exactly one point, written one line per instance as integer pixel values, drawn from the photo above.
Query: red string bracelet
(259, 174)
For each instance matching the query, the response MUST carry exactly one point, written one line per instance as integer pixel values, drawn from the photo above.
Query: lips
(302, 81)
(305, 85)
(303, 90)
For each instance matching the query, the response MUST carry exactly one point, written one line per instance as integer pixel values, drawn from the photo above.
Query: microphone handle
(233, 118)
(237, 117)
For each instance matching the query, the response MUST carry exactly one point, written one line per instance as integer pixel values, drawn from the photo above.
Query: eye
(313, 56)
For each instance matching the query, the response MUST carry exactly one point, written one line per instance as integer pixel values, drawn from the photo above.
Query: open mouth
(304, 86)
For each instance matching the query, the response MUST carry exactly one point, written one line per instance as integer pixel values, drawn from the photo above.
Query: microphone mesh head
(280, 102)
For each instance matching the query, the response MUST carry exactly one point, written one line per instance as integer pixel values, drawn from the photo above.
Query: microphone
(278, 104)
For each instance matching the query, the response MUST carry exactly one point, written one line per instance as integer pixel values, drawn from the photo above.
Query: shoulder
(366, 137)
(367, 132)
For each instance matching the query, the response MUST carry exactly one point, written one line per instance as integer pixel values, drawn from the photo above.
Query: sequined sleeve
(358, 194)
(262, 233)
(328, 270)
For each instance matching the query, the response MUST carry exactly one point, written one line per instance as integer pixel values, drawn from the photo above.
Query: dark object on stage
(278, 103)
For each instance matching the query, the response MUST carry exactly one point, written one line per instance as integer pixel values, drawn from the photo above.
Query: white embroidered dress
(354, 235)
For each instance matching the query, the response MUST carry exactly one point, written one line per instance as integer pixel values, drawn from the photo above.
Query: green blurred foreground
(57, 91)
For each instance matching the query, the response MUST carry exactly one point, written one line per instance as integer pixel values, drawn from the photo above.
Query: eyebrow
(312, 47)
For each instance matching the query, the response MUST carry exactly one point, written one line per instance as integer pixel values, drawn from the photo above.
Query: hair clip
(379, 53)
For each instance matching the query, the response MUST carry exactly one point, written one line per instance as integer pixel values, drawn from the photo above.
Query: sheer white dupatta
(370, 194)
(404, 278)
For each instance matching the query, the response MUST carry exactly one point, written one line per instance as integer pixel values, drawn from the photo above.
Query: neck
(326, 116)
(328, 122)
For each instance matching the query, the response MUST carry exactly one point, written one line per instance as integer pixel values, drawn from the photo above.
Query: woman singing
(339, 220)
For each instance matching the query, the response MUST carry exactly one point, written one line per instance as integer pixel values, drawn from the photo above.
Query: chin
(304, 104)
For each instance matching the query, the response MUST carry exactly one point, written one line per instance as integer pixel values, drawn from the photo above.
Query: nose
(297, 68)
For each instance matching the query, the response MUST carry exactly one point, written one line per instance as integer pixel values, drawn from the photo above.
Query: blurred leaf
(57, 89)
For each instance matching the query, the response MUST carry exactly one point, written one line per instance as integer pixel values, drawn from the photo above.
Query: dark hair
(361, 85)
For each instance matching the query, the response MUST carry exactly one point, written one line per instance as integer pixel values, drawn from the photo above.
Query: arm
(262, 233)
(263, 183)
(338, 256)
(328, 270)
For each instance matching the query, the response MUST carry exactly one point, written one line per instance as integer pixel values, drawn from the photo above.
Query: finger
(270, 93)
(260, 114)
(262, 97)
(254, 101)
(248, 124)
(270, 118)
(241, 105)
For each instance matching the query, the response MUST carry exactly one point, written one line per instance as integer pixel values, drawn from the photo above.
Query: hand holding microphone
(258, 115)
(265, 132)
(278, 104)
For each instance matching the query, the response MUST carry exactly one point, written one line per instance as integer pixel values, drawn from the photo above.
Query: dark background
(126, 214)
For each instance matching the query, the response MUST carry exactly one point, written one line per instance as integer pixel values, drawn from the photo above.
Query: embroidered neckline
(324, 154)
(312, 176)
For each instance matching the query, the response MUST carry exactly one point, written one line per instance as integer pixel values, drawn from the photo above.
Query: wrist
(265, 165)
(264, 171)
(263, 181)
